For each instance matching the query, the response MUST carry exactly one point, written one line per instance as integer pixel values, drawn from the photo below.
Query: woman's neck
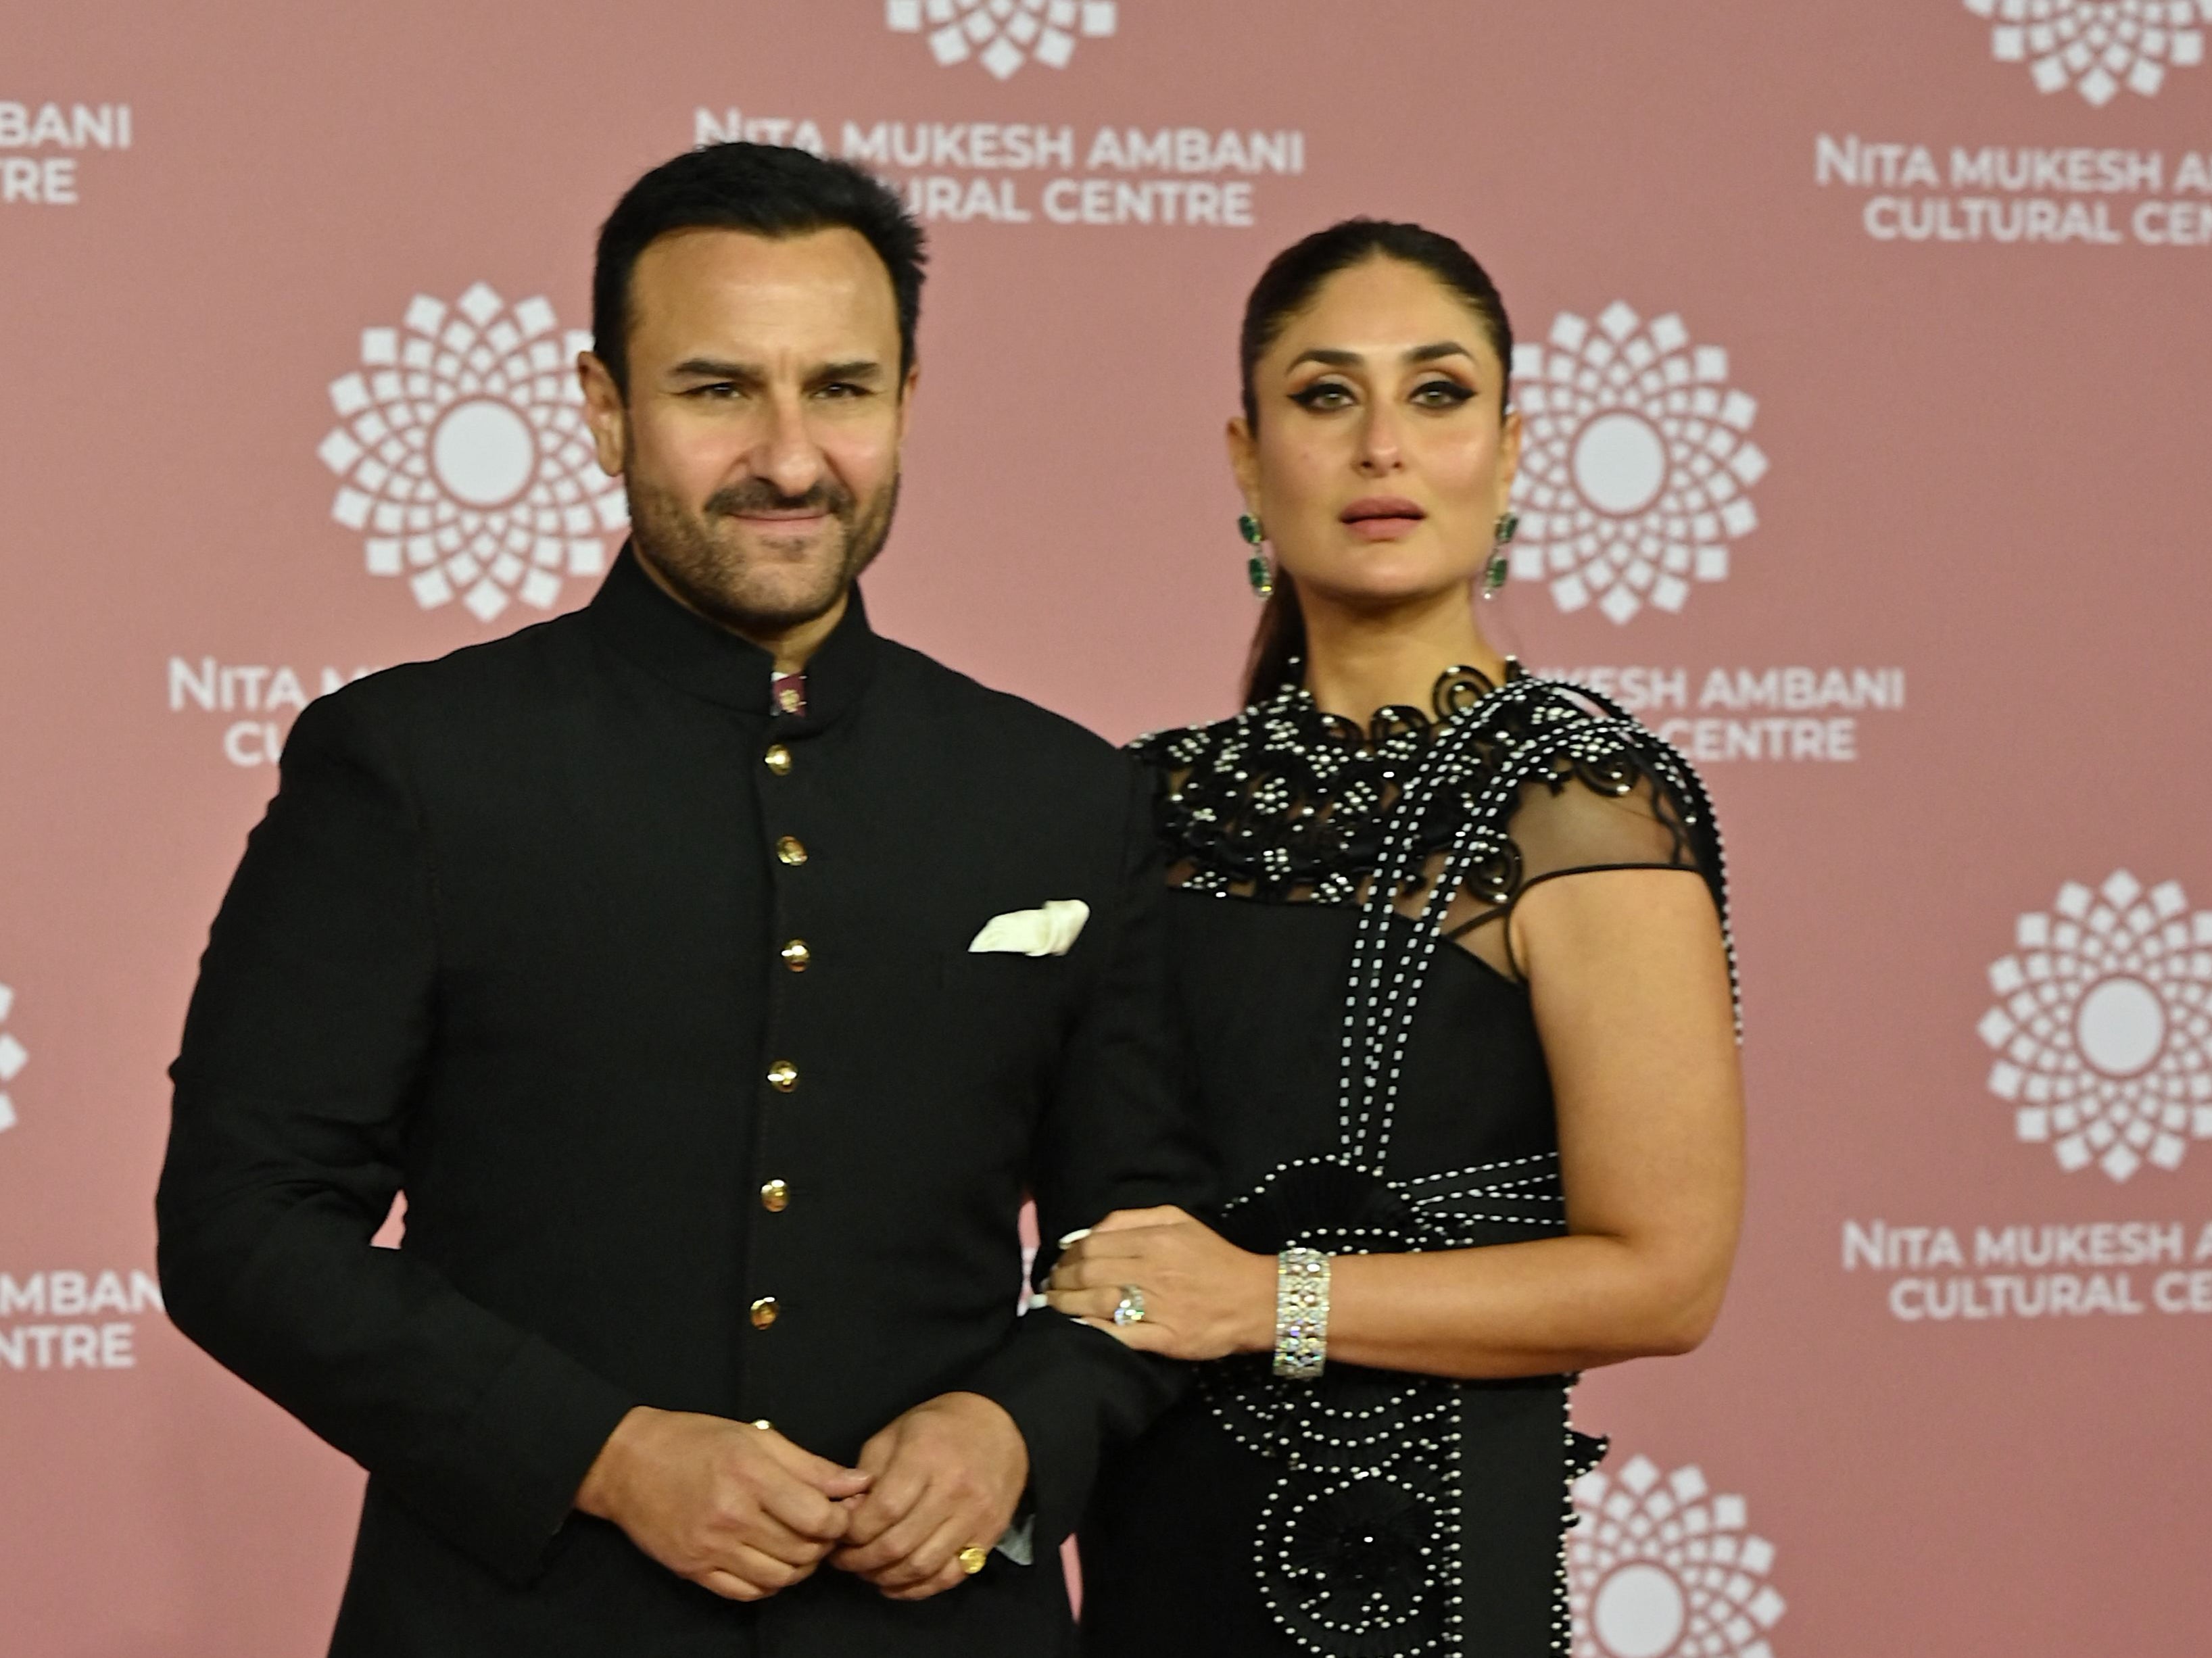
(1359, 660)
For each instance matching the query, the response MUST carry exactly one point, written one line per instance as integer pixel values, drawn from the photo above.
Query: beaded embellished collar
(1286, 802)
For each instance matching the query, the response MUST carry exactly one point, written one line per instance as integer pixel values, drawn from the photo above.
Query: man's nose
(786, 455)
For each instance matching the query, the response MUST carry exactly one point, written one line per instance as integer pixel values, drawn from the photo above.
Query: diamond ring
(1130, 1310)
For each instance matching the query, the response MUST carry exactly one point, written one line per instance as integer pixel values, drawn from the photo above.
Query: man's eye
(844, 389)
(715, 391)
(1323, 394)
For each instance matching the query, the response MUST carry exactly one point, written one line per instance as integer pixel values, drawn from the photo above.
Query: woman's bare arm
(1630, 985)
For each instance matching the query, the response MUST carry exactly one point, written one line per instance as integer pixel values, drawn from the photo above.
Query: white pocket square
(1051, 931)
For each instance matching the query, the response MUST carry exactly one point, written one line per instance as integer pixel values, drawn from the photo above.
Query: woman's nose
(1378, 442)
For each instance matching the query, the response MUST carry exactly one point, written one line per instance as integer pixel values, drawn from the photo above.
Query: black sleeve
(315, 1009)
(1116, 1136)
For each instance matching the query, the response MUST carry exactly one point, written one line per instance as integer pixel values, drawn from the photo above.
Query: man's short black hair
(768, 189)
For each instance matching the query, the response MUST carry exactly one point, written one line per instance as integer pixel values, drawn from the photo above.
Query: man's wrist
(1017, 1443)
(1003, 1416)
(599, 1494)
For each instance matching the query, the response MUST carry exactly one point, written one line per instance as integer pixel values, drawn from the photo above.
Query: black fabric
(507, 939)
(1273, 825)
(1262, 990)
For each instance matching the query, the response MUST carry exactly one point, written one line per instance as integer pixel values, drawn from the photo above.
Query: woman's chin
(1377, 587)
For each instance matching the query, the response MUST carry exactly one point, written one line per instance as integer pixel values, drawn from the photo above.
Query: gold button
(778, 760)
(765, 1311)
(788, 698)
(797, 956)
(776, 1196)
(791, 850)
(783, 1076)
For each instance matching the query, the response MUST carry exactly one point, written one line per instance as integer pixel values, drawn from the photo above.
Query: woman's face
(1381, 464)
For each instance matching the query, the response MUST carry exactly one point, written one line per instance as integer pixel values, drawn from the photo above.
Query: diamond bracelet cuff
(1301, 1314)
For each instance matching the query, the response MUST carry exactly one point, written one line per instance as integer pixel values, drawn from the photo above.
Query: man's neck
(793, 647)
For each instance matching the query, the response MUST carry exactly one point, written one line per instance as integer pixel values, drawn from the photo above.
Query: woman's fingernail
(1077, 1237)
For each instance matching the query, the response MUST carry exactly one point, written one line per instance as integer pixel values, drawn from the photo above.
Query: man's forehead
(828, 277)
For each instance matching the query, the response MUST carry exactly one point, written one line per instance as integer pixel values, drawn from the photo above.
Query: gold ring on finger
(974, 1559)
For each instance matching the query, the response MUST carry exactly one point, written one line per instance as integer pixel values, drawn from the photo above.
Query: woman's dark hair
(1289, 285)
(768, 189)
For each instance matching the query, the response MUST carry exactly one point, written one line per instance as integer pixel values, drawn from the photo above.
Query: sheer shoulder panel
(1511, 786)
(1578, 820)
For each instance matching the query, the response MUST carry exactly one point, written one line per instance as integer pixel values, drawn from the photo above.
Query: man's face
(759, 442)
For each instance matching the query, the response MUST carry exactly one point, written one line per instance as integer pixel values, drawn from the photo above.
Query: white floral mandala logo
(1662, 1568)
(1003, 34)
(14, 1056)
(2097, 46)
(2103, 1027)
(464, 455)
(1634, 463)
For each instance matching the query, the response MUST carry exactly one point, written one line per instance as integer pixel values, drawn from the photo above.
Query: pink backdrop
(1907, 298)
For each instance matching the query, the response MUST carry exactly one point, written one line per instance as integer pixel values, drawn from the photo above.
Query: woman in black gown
(1459, 1016)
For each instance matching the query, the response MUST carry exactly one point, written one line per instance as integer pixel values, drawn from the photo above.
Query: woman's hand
(1204, 1298)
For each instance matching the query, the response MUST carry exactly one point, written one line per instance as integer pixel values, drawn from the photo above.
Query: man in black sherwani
(714, 977)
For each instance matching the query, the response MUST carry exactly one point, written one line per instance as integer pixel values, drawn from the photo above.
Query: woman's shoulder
(1562, 707)
(1178, 748)
(1175, 745)
(1557, 723)
(1244, 802)
(1587, 765)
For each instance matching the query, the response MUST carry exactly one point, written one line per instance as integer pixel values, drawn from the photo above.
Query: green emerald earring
(1257, 570)
(1495, 571)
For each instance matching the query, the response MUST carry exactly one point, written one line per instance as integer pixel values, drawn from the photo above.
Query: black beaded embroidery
(1360, 1540)
(1284, 802)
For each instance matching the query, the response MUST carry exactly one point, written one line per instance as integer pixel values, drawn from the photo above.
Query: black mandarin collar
(632, 614)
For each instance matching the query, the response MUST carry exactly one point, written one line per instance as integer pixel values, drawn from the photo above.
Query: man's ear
(606, 413)
(907, 388)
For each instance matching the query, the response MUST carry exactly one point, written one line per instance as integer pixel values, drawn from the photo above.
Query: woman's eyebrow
(1333, 357)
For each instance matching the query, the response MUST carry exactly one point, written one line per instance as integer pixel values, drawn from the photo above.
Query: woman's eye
(1442, 394)
(1323, 394)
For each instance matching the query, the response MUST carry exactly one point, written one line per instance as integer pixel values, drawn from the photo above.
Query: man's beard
(730, 587)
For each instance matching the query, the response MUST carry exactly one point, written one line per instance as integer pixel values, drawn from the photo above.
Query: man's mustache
(756, 495)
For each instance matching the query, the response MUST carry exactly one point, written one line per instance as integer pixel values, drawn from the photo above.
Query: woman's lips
(1381, 518)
